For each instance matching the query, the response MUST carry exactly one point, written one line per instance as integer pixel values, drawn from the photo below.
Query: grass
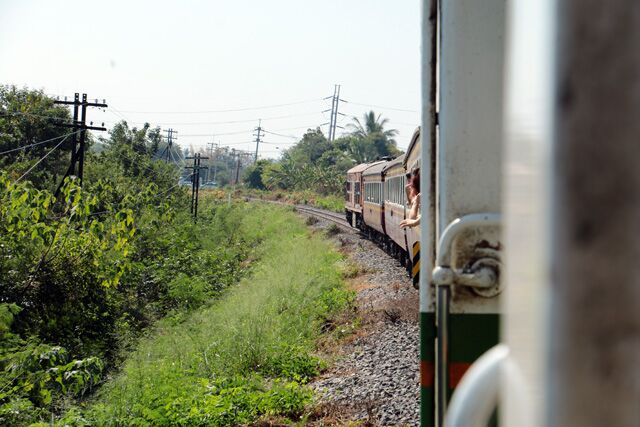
(331, 202)
(245, 356)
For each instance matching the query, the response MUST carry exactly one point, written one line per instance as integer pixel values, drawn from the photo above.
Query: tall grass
(243, 356)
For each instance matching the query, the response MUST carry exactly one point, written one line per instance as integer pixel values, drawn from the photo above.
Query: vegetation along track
(334, 217)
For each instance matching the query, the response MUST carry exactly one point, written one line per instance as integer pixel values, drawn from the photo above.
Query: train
(455, 255)
(524, 258)
(376, 202)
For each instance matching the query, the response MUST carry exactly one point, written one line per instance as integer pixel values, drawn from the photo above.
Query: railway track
(334, 217)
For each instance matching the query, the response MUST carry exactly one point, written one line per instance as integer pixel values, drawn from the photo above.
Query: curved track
(334, 217)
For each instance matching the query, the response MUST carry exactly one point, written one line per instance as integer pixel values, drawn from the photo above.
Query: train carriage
(412, 160)
(354, 194)
(373, 207)
(395, 207)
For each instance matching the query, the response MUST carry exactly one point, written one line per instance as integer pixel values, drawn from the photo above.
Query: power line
(381, 106)
(42, 158)
(38, 143)
(299, 127)
(78, 151)
(230, 110)
(149, 168)
(170, 138)
(225, 122)
(138, 204)
(23, 113)
(279, 134)
(209, 134)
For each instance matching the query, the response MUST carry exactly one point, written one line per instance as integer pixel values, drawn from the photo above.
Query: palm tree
(371, 131)
(372, 124)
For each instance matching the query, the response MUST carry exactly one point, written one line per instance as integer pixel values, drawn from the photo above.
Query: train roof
(394, 162)
(363, 166)
(376, 168)
(415, 139)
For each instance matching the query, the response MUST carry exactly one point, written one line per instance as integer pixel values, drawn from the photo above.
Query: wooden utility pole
(166, 153)
(78, 143)
(195, 182)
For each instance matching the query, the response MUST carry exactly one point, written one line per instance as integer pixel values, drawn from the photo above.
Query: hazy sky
(178, 63)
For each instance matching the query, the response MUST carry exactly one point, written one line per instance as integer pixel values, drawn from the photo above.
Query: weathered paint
(469, 165)
(373, 216)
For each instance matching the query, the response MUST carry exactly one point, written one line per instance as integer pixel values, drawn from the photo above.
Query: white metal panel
(470, 144)
(528, 128)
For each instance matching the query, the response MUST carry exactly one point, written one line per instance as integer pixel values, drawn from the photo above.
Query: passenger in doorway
(413, 196)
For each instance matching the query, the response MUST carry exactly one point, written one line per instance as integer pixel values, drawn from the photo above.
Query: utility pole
(195, 182)
(78, 143)
(333, 121)
(215, 165)
(238, 153)
(257, 135)
(170, 138)
(210, 150)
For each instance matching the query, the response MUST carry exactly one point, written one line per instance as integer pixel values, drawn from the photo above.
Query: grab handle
(476, 397)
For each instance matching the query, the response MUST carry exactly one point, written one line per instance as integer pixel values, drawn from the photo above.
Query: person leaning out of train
(413, 195)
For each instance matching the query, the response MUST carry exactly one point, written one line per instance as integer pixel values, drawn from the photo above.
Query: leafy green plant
(246, 355)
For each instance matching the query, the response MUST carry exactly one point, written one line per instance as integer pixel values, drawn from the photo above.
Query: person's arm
(413, 219)
(410, 222)
(415, 206)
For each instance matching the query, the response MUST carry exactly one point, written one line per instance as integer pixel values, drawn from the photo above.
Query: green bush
(246, 355)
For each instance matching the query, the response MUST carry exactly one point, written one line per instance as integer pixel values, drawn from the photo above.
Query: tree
(29, 117)
(310, 148)
(370, 125)
(145, 140)
(253, 175)
(371, 130)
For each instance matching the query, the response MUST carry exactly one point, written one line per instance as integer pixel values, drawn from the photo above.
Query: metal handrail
(443, 277)
(476, 397)
(457, 226)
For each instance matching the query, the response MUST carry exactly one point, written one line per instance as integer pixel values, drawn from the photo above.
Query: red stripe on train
(456, 371)
(427, 373)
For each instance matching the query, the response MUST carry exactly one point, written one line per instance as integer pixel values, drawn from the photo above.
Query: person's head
(414, 181)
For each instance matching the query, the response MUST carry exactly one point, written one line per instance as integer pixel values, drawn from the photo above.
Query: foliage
(85, 275)
(330, 202)
(244, 356)
(320, 165)
(28, 117)
(253, 175)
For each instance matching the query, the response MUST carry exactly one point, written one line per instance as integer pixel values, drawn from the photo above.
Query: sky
(185, 64)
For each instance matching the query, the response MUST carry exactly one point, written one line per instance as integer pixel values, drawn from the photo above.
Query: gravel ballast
(375, 379)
